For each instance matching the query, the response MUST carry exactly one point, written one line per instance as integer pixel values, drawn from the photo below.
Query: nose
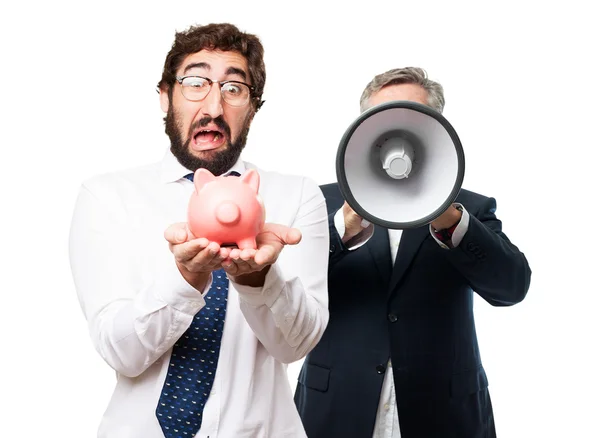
(213, 103)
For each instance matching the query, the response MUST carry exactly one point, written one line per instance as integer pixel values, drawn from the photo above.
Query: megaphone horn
(400, 165)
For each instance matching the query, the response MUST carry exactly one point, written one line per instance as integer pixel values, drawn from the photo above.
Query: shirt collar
(171, 170)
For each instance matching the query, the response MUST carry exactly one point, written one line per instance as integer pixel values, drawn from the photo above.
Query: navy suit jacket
(419, 313)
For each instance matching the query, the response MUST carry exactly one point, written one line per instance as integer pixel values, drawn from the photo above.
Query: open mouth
(207, 139)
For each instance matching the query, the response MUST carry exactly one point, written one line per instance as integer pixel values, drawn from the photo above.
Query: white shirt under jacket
(387, 424)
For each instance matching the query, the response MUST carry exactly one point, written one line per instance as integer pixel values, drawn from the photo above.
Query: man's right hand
(353, 223)
(195, 257)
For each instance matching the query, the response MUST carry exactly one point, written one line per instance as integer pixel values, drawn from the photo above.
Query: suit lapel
(410, 242)
(379, 247)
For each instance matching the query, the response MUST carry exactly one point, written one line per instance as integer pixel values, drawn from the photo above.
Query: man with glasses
(198, 333)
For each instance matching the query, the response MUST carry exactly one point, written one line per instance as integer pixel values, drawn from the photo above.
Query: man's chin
(217, 161)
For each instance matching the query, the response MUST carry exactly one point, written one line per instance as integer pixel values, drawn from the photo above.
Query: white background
(521, 80)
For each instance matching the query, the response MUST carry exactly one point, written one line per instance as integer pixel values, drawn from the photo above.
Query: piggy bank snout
(228, 213)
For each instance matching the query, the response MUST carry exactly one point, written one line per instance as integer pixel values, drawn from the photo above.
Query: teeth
(217, 136)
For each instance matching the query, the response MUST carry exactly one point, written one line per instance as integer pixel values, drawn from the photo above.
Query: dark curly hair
(221, 36)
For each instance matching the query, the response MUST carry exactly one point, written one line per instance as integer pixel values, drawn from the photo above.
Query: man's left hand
(250, 266)
(447, 219)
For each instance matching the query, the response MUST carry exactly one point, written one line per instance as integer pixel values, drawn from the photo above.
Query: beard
(218, 162)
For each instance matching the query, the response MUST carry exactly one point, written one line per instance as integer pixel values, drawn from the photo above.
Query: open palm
(270, 241)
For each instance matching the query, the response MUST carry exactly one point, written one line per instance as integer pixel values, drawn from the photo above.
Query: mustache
(219, 121)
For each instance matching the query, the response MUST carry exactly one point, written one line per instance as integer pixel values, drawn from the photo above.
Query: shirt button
(386, 406)
(392, 317)
(380, 369)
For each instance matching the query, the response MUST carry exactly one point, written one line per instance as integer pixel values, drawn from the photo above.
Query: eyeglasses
(196, 88)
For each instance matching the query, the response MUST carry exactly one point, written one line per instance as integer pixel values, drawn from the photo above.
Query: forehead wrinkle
(193, 65)
(205, 65)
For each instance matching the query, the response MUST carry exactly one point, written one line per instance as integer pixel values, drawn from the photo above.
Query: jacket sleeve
(493, 266)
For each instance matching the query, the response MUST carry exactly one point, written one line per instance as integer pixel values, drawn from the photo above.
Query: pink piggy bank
(226, 209)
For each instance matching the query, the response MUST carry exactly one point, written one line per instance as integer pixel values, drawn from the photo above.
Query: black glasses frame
(180, 80)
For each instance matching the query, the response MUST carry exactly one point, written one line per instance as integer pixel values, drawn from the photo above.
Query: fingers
(201, 255)
(249, 260)
(286, 235)
(176, 233)
(243, 257)
(196, 258)
(270, 241)
(293, 236)
(350, 215)
(194, 255)
(224, 253)
(266, 256)
(353, 223)
(186, 251)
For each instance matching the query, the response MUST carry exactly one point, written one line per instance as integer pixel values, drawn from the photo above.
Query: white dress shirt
(137, 303)
(387, 424)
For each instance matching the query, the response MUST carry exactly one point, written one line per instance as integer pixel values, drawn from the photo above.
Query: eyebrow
(204, 65)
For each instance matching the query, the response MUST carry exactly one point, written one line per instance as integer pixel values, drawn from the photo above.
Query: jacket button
(392, 317)
(332, 248)
(380, 369)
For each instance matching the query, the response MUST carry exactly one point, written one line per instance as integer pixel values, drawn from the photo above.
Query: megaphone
(400, 165)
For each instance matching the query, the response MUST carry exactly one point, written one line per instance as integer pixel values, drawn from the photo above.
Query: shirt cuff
(458, 233)
(172, 289)
(265, 295)
(357, 241)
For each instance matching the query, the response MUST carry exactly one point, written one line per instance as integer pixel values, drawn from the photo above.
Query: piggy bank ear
(201, 177)
(252, 179)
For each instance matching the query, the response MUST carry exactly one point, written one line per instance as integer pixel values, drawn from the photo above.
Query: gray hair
(406, 75)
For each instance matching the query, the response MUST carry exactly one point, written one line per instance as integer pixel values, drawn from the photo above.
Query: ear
(164, 100)
(202, 177)
(251, 178)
